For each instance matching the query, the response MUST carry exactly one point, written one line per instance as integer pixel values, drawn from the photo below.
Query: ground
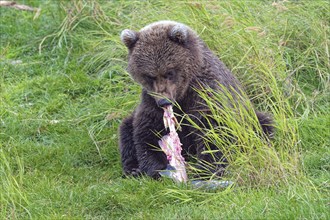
(64, 92)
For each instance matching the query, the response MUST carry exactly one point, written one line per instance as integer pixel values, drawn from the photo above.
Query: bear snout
(164, 102)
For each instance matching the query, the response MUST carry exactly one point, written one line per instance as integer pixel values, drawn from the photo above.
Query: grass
(64, 91)
(253, 159)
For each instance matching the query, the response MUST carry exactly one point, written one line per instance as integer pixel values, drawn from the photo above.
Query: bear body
(170, 61)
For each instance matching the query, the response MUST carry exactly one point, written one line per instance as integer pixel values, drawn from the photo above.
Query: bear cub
(170, 61)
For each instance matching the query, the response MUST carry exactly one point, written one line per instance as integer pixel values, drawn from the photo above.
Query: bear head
(163, 57)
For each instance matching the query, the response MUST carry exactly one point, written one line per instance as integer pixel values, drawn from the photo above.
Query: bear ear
(179, 33)
(129, 37)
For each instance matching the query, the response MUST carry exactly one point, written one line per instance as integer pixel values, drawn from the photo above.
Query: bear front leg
(127, 149)
(147, 132)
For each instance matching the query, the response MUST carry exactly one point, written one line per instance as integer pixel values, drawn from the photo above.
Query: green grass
(64, 91)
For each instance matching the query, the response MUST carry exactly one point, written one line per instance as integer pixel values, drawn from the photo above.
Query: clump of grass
(87, 27)
(76, 13)
(233, 127)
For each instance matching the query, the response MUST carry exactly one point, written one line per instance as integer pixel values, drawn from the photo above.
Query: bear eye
(150, 78)
(170, 74)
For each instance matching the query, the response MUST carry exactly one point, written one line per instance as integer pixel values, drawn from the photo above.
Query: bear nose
(163, 102)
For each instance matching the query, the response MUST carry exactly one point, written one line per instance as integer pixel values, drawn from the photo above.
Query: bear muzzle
(164, 102)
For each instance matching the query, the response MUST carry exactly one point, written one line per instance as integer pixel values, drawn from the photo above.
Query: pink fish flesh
(171, 146)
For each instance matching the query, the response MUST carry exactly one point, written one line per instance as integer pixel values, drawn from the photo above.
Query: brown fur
(170, 61)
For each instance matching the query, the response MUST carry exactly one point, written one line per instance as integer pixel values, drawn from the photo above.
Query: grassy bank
(64, 91)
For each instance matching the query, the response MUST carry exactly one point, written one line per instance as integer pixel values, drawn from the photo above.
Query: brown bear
(170, 61)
